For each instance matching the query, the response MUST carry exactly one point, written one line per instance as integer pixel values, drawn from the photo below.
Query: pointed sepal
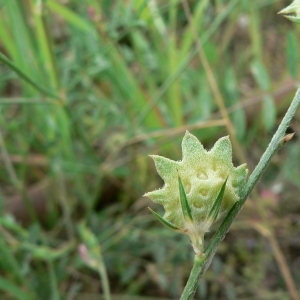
(214, 211)
(165, 167)
(192, 149)
(186, 210)
(164, 221)
(222, 151)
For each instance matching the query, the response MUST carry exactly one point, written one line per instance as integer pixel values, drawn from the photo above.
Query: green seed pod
(207, 187)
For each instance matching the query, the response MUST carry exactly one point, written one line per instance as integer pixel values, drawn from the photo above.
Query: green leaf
(71, 17)
(261, 75)
(11, 288)
(230, 86)
(269, 112)
(214, 211)
(292, 54)
(46, 253)
(206, 103)
(232, 98)
(164, 221)
(239, 121)
(186, 210)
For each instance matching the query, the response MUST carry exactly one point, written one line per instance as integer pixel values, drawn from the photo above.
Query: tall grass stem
(27, 78)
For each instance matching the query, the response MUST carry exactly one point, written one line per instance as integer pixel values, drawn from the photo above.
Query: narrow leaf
(25, 77)
(268, 112)
(239, 122)
(186, 210)
(14, 290)
(292, 12)
(214, 211)
(292, 54)
(71, 17)
(261, 75)
(164, 221)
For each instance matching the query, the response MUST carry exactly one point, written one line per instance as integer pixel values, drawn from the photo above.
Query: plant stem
(200, 266)
(276, 142)
(192, 283)
(105, 281)
(53, 281)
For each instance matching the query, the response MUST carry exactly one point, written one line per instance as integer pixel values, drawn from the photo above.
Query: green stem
(105, 282)
(191, 286)
(277, 141)
(53, 281)
(25, 77)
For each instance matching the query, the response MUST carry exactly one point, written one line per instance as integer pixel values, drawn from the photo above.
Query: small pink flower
(91, 12)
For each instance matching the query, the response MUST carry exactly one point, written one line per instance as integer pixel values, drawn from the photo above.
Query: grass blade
(186, 210)
(71, 17)
(44, 42)
(13, 289)
(25, 77)
(164, 221)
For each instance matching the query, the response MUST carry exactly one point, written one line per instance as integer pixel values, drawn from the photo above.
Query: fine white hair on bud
(208, 182)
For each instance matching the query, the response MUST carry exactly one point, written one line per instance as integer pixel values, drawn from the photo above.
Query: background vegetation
(91, 87)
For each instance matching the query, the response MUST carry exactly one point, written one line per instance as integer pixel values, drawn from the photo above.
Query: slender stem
(15, 180)
(275, 144)
(186, 60)
(279, 256)
(53, 281)
(191, 286)
(8, 164)
(66, 207)
(282, 263)
(25, 77)
(105, 281)
(277, 141)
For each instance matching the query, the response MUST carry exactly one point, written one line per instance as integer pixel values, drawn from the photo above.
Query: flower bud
(199, 189)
